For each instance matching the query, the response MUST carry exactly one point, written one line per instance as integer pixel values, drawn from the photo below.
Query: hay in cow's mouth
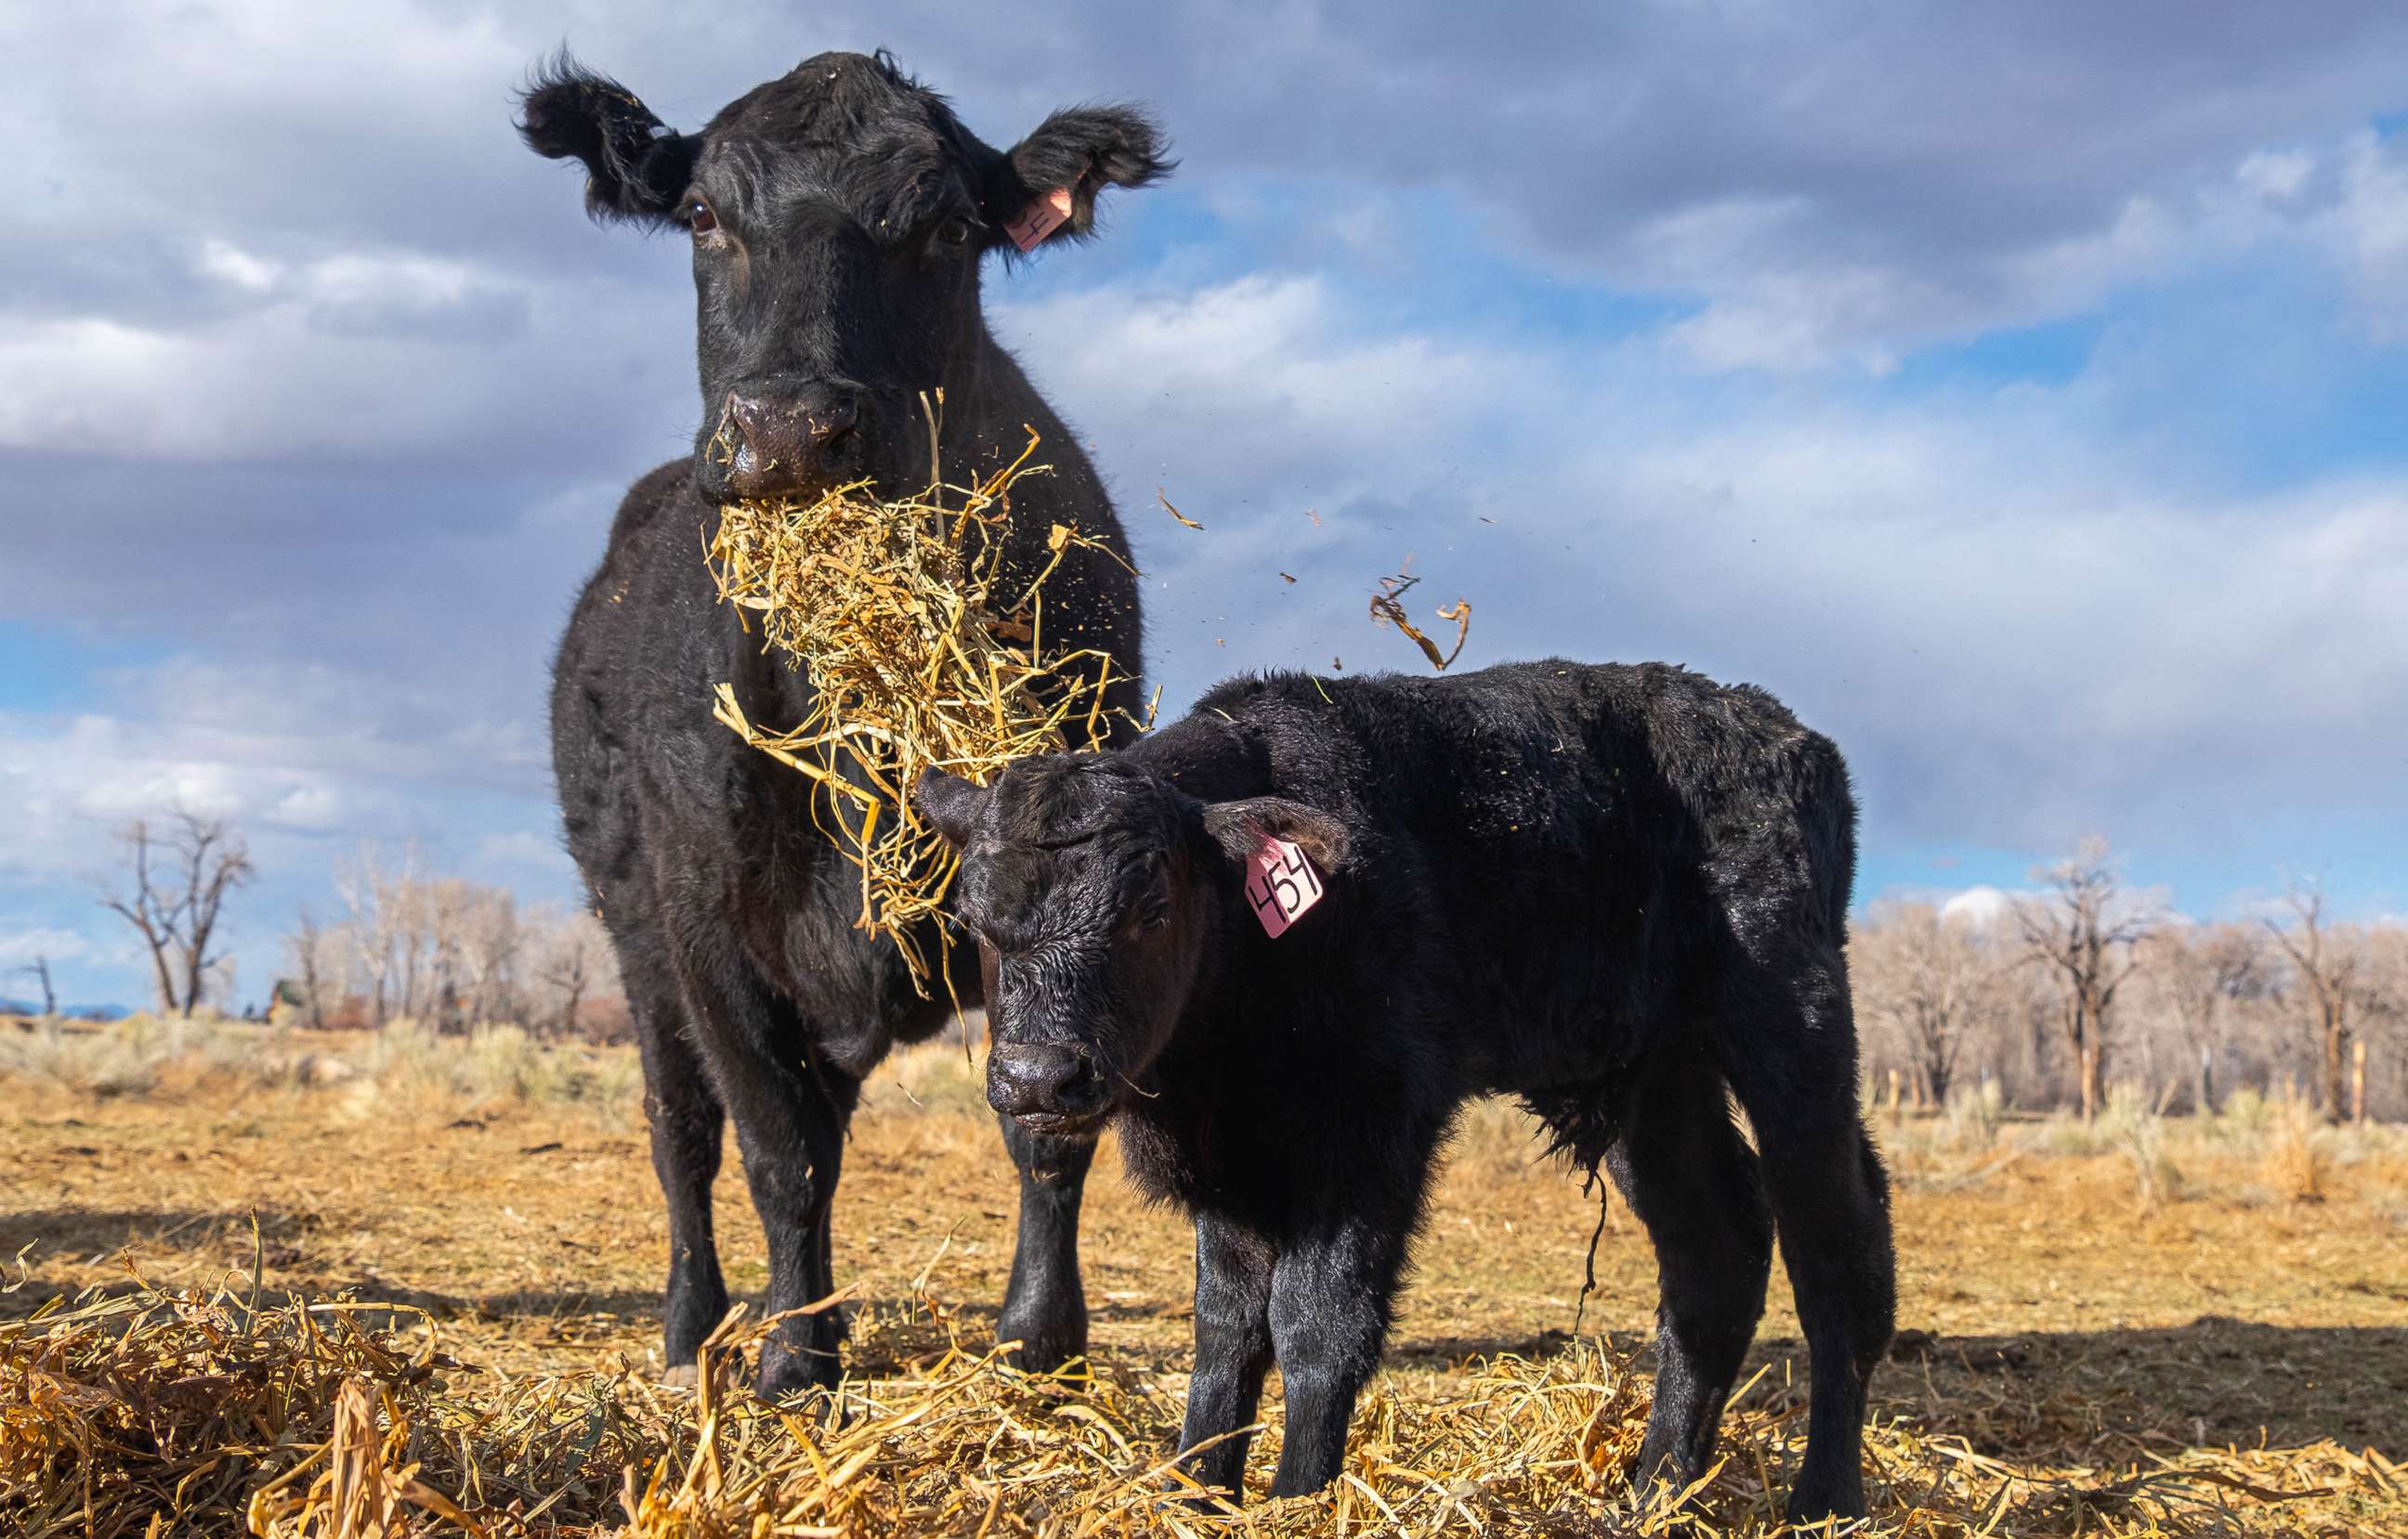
(924, 651)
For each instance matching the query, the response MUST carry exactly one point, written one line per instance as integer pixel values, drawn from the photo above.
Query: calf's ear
(635, 167)
(949, 803)
(1047, 189)
(1240, 828)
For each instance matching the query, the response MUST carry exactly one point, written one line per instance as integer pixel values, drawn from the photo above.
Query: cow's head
(838, 215)
(1096, 888)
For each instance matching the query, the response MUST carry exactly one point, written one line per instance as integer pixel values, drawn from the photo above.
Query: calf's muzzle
(1042, 1082)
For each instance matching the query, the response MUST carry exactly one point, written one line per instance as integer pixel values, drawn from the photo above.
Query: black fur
(753, 994)
(1617, 892)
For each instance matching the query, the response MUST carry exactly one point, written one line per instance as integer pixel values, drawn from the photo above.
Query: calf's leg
(1044, 1309)
(1234, 1269)
(1692, 1181)
(1332, 1297)
(1788, 1046)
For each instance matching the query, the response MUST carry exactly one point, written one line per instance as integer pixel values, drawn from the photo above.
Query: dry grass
(2296, 1165)
(923, 651)
(453, 1332)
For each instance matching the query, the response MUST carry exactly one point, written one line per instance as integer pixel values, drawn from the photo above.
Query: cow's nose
(793, 445)
(1041, 1079)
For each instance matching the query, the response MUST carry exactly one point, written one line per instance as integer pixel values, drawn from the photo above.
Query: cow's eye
(1154, 916)
(955, 232)
(699, 219)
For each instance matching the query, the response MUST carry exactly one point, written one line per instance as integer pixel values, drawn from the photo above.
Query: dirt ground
(2053, 1316)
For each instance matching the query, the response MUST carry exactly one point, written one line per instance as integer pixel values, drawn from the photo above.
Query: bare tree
(2203, 971)
(307, 946)
(181, 880)
(2326, 958)
(2385, 998)
(1923, 974)
(372, 916)
(40, 969)
(2086, 934)
(488, 947)
(576, 960)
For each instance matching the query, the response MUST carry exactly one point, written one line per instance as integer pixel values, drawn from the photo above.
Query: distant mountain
(72, 1009)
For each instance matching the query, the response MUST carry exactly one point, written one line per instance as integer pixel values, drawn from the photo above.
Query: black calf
(1617, 892)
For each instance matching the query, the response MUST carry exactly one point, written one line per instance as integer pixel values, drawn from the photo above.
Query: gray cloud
(319, 385)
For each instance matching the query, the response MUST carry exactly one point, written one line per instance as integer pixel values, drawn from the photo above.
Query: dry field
(2147, 1328)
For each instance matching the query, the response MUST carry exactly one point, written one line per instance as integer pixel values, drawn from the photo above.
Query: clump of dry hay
(147, 1411)
(923, 652)
(154, 1412)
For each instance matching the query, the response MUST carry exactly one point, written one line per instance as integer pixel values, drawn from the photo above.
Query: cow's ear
(635, 167)
(949, 803)
(1053, 176)
(1240, 828)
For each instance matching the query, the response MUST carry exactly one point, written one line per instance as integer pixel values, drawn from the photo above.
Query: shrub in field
(496, 1065)
(2245, 1118)
(2297, 1160)
(2136, 1129)
(120, 1060)
(2066, 1134)
(1974, 1115)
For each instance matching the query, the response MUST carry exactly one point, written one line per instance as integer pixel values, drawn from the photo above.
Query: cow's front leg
(790, 1116)
(794, 1151)
(1234, 1269)
(1044, 1307)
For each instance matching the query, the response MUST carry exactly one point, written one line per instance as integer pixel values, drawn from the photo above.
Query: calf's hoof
(1183, 1503)
(684, 1375)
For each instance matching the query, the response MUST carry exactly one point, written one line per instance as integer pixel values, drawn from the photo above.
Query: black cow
(1616, 893)
(839, 215)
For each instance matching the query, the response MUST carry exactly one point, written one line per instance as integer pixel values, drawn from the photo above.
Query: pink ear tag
(1041, 218)
(1280, 884)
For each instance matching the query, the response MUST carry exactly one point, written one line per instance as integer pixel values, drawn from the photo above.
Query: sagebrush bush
(125, 1060)
(2298, 1156)
(494, 1065)
(1974, 1114)
(2136, 1129)
(2245, 1120)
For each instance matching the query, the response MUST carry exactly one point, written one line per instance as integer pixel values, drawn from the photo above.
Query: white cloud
(230, 264)
(2018, 623)
(2371, 223)
(315, 806)
(359, 356)
(1982, 907)
(19, 948)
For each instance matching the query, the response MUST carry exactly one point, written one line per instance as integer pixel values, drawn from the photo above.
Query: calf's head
(838, 215)
(1096, 891)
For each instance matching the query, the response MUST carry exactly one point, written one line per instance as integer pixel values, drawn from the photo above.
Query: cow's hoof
(1045, 1357)
(789, 1377)
(685, 1376)
(1815, 1502)
(1043, 1347)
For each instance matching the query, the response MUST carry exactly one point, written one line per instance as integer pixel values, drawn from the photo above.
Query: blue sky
(2014, 390)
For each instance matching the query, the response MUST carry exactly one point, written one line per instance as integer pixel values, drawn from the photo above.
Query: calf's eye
(955, 232)
(1154, 917)
(699, 219)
